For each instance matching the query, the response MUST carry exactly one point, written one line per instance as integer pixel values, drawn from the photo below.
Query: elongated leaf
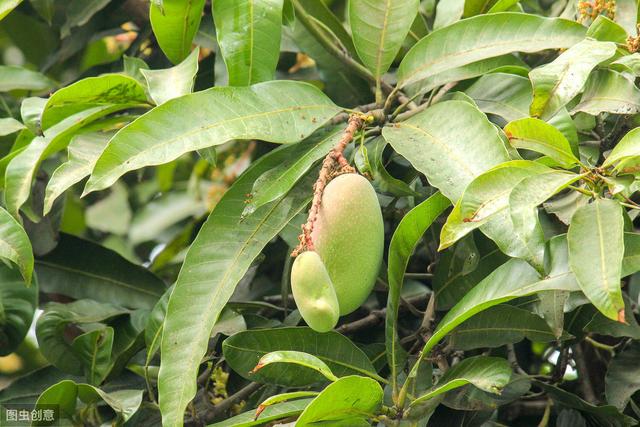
(536, 135)
(248, 34)
(628, 63)
(279, 411)
(500, 325)
(67, 393)
(451, 143)
(506, 95)
(175, 23)
(108, 89)
(18, 304)
(297, 358)
(475, 39)
(379, 28)
(610, 92)
(7, 6)
(627, 147)
(15, 245)
(84, 150)
(486, 196)
(216, 261)
(448, 12)
(9, 125)
(79, 12)
(489, 374)
(406, 237)
(81, 269)
(264, 111)
(14, 78)
(21, 169)
(513, 279)
(622, 379)
(556, 83)
(182, 78)
(604, 29)
(244, 350)
(277, 181)
(596, 250)
(94, 349)
(348, 401)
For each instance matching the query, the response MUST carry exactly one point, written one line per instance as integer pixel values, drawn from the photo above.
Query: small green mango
(349, 237)
(313, 292)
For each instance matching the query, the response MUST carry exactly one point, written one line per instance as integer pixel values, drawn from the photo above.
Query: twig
(583, 374)
(513, 359)
(375, 317)
(227, 403)
(333, 164)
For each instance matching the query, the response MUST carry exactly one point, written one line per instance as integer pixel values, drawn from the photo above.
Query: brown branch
(227, 403)
(333, 164)
(376, 316)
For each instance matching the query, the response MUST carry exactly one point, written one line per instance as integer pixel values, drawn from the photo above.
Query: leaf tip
(621, 317)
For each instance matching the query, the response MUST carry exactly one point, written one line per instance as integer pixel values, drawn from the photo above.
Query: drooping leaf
(7, 6)
(94, 349)
(9, 125)
(92, 92)
(45, 8)
(264, 111)
(181, 78)
(175, 23)
(628, 147)
(297, 358)
(216, 261)
(79, 12)
(67, 394)
(406, 237)
(536, 135)
(15, 245)
(82, 269)
(610, 92)
(500, 325)
(475, 39)
(19, 78)
(18, 304)
(621, 381)
(279, 411)
(244, 350)
(604, 29)
(596, 250)
(277, 181)
(379, 28)
(451, 143)
(448, 12)
(489, 374)
(27, 388)
(506, 95)
(248, 34)
(349, 401)
(557, 82)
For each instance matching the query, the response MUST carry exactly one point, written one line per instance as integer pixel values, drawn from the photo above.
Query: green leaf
(108, 89)
(15, 245)
(94, 349)
(243, 351)
(279, 411)
(379, 28)
(556, 83)
(248, 34)
(277, 181)
(626, 15)
(66, 394)
(265, 111)
(28, 387)
(9, 125)
(448, 12)
(79, 12)
(7, 6)
(56, 318)
(45, 8)
(349, 401)
(500, 325)
(182, 78)
(297, 358)
(631, 260)
(19, 78)
(404, 241)
(175, 23)
(610, 92)
(502, 94)
(628, 147)
(18, 304)
(628, 63)
(489, 374)
(475, 39)
(536, 135)
(23, 166)
(216, 261)
(596, 250)
(82, 269)
(486, 196)
(83, 151)
(622, 379)
(604, 29)
(513, 279)
(451, 143)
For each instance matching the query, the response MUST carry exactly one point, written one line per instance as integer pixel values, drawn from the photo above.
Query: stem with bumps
(334, 164)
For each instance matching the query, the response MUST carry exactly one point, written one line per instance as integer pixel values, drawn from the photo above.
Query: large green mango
(349, 237)
(313, 292)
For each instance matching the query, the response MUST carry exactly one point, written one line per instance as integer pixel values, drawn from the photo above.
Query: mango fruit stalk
(348, 239)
